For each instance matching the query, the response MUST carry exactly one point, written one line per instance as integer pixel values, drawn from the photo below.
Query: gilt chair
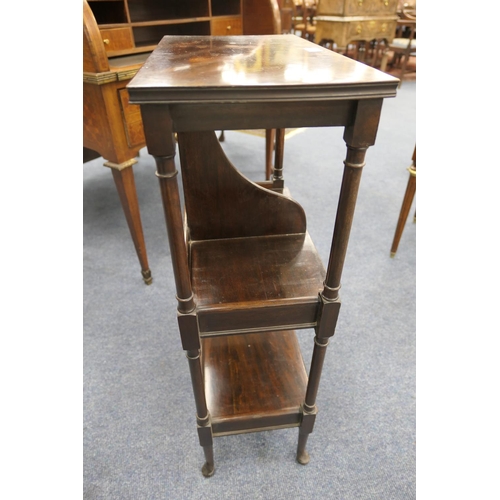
(403, 46)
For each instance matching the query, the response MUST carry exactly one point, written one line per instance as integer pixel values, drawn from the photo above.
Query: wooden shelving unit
(246, 271)
(131, 26)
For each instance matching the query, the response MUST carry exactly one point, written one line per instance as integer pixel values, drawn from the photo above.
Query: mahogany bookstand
(246, 271)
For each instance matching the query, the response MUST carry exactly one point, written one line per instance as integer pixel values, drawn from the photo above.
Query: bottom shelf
(254, 381)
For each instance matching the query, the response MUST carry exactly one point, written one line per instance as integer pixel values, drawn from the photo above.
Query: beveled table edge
(206, 95)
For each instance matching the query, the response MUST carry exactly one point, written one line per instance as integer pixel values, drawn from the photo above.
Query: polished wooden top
(253, 68)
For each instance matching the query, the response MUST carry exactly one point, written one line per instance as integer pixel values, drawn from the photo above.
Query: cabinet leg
(123, 175)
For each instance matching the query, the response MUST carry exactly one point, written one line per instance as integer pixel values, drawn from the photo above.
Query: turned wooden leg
(302, 454)
(208, 468)
(405, 207)
(202, 414)
(404, 63)
(275, 140)
(270, 135)
(278, 180)
(161, 144)
(123, 176)
(330, 299)
(309, 409)
(354, 163)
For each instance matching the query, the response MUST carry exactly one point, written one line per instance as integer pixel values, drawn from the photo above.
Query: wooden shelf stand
(246, 271)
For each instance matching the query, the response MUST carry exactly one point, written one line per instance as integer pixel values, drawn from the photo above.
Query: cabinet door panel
(369, 30)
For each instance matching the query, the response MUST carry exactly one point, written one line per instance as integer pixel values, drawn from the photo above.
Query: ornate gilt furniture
(246, 271)
(118, 36)
(403, 46)
(342, 22)
(411, 188)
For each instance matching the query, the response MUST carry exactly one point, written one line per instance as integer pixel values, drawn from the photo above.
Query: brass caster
(303, 458)
(146, 276)
(208, 470)
(393, 254)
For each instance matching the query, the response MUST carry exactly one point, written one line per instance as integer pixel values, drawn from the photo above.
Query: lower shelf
(254, 381)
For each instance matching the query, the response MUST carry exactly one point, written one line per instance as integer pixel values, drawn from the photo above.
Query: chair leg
(404, 63)
(405, 209)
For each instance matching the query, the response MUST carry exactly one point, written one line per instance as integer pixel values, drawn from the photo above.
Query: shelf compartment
(256, 283)
(226, 8)
(151, 35)
(109, 11)
(254, 381)
(153, 10)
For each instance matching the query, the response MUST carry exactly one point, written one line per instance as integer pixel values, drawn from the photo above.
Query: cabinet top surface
(257, 67)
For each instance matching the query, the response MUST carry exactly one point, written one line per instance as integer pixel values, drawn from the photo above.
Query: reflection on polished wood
(275, 68)
(246, 271)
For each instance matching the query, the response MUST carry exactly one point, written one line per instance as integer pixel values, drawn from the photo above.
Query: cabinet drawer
(226, 26)
(116, 39)
(357, 7)
(370, 7)
(369, 30)
(132, 120)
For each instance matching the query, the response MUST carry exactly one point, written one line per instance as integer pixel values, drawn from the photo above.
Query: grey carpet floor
(140, 440)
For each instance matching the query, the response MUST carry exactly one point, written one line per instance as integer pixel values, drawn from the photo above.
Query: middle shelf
(256, 283)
